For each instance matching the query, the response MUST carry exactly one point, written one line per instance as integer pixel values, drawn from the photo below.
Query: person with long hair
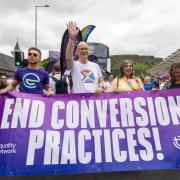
(127, 81)
(174, 81)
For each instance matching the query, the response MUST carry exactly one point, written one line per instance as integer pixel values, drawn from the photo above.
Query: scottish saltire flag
(64, 43)
(86, 31)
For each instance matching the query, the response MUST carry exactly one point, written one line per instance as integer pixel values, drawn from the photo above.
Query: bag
(61, 85)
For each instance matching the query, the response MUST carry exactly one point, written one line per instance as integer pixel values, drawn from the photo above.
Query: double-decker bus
(100, 53)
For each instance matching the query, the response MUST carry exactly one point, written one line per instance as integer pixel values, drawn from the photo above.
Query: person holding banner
(175, 77)
(127, 81)
(31, 79)
(86, 75)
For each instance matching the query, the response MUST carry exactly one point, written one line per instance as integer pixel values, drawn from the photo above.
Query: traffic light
(18, 58)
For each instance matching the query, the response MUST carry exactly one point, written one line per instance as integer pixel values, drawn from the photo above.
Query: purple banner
(54, 56)
(83, 133)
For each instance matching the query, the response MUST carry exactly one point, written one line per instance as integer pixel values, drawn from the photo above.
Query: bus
(99, 53)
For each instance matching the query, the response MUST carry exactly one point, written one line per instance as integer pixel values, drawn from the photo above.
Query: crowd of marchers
(82, 75)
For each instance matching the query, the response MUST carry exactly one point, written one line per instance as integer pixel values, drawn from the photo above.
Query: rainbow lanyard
(134, 85)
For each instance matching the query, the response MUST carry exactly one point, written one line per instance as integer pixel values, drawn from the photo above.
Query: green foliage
(44, 63)
(141, 63)
(140, 69)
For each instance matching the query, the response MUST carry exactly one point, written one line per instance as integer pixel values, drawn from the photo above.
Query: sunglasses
(34, 54)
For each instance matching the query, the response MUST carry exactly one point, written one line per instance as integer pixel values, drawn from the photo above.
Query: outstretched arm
(73, 31)
(100, 88)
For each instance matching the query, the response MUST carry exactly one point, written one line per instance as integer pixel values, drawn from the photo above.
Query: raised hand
(73, 30)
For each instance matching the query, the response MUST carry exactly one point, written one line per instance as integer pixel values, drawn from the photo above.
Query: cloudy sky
(144, 27)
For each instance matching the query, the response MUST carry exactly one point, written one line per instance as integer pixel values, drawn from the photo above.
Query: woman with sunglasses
(31, 79)
(127, 81)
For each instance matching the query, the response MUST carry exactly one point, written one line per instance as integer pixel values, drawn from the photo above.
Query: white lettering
(84, 157)
(113, 113)
(68, 148)
(127, 116)
(87, 114)
(97, 145)
(72, 114)
(119, 156)
(20, 113)
(35, 142)
(147, 154)
(51, 154)
(55, 122)
(143, 119)
(7, 111)
(162, 111)
(37, 114)
(174, 109)
(131, 145)
(101, 107)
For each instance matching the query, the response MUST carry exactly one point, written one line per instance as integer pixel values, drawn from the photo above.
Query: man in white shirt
(86, 75)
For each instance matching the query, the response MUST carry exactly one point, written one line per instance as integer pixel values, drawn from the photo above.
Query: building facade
(6, 65)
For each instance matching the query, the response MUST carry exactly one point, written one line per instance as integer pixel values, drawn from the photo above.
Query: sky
(142, 27)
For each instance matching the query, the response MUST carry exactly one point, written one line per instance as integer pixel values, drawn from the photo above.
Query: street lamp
(36, 7)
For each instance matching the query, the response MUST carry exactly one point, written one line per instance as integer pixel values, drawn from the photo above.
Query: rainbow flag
(64, 43)
(86, 31)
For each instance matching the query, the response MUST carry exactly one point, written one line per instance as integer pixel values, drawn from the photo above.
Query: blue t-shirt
(31, 80)
(147, 87)
(154, 84)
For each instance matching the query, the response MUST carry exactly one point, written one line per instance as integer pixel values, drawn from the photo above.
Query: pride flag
(86, 31)
(64, 43)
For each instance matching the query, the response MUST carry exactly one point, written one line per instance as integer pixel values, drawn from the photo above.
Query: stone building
(164, 67)
(6, 65)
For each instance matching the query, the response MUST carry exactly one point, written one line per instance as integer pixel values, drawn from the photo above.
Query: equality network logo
(176, 142)
(30, 80)
(88, 76)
